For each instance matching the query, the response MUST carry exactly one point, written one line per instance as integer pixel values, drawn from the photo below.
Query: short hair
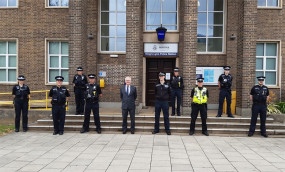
(128, 77)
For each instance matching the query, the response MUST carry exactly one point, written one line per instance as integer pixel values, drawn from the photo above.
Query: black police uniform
(225, 92)
(162, 92)
(259, 96)
(80, 81)
(21, 105)
(58, 95)
(177, 86)
(92, 92)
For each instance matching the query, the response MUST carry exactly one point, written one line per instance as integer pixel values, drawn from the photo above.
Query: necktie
(128, 90)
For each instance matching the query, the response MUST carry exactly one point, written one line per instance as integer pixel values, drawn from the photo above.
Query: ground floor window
(8, 61)
(267, 62)
(268, 3)
(58, 3)
(57, 60)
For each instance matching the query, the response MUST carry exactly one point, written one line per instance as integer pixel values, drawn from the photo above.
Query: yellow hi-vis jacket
(200, 96)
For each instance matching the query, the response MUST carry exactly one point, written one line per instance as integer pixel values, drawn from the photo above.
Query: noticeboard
(210, 74)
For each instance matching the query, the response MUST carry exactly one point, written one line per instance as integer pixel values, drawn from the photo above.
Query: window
(8, 61)
(113, 25)
(8, 3)
(210, 31)
(266, 62)
(57, 60)
(58, 3)
(161, 12)
(268, 3)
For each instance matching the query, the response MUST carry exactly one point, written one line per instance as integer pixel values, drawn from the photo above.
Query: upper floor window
(210, 31)
(267, 62)
(8, 61)
(8, 3)
(161, 12)
(58, 3)
(57, 60)
(113, 26)
(268, 3)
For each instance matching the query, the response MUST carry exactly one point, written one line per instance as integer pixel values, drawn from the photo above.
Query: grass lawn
(5, 129)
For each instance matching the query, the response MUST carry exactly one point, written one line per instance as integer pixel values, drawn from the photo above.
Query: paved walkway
(34, 151)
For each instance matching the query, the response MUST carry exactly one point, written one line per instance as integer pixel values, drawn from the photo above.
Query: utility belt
(259, 103)
(79, 87)
(197, 104)
(226, 89)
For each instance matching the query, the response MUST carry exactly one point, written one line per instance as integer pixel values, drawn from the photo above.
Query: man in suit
(128, 94)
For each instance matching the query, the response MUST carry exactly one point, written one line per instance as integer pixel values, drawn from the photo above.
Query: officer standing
(200, 95)
(59, 95)
(92, 94)
(162, 92)
(177, 86)
(21, 94)
(79, 82)
(259, 95)
(225, 83)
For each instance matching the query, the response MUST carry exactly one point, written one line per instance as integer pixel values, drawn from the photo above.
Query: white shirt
(129, 89)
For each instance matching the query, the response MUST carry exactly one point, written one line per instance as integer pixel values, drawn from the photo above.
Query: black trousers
(165, 109)
(95, 108)
(125, 113)
(196, 108)
(79, 100)
(261, 109)
(58, 116)
(21, 105)
(228, 95)
(176, 93)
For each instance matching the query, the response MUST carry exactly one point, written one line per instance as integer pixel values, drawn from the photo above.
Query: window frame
(277, 62)
(116, 25)
(48, 6)
(161, 12)
(271, 7)
(17, 5)
(7, 61)
(47, 60)
(224, 38)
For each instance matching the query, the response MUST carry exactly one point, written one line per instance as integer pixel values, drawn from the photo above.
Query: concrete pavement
(39, 151)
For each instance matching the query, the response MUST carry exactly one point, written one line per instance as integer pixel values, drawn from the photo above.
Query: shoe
(191, 133)
(124, 131)
(250, 134)
(264, 135)
(99, 131)
(25, 130)
(219, 116)
(76, 113)
(178, 115)
(55, 133)
(83, 130)
(168, 132)
(132, 132)
(82, 113)
(154, 132)
(16, 130)
(61, 133)
(172, 114)
(205, 133)
(231, 116)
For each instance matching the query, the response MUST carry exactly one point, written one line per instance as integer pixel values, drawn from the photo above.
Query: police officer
(92, 94)
(225, 83)
(176, 84)
(162, 92)
(199, 94)
(59, 95)
(259, 95)
(79, 82)
(21, 94)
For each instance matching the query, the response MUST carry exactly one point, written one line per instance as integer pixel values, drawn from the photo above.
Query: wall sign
(102, 74)
(210, 74)
(160, 49)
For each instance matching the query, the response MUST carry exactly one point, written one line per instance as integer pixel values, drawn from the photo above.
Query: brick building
(44, 38)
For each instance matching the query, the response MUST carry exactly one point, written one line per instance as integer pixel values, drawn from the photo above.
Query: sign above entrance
(160, 49)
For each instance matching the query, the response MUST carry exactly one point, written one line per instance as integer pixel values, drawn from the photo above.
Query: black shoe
(205, 133)
(25, 130)
(154, 132)
(83, 131)
(132, 132)
(178, 115)
(250, 134)
(76, 113)
(55, 133)
(16, 130)
(99, 131)
(124, 131)
(82, 113)
(219, 115)
(61, 133)
(264, 135)
(172, 114)
(231, 116)
(168, 132)
(191, 132)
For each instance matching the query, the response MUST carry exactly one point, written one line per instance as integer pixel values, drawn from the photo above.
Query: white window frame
(207, 25)
(17, 5)
(48, 6)
(279, 6)
(7, 61)
(100, 36)
(59, 65)
(264, 57)
(161, 12)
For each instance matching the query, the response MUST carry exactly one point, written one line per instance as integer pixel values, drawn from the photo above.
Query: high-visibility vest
(200, 96)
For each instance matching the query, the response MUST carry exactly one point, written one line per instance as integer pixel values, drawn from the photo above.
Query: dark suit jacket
(128, 101)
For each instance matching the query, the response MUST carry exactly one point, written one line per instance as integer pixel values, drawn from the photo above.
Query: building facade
(44, 38)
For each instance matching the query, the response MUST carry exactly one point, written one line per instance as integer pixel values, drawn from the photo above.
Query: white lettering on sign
(161, 49)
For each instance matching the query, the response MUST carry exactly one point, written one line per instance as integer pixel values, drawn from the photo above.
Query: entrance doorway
(153, 67)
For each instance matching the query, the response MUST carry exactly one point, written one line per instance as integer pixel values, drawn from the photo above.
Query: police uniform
(92, 93)
(259, 95)
(58, 95)
(21, 104)
(225, 92)
(200, 96)
(176, 84)
(162, 92)
(79, 81)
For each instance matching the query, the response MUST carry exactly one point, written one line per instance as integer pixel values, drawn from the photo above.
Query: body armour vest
(58, 96)
(200, 96)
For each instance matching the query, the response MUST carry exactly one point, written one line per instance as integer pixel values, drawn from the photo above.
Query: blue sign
(161, 33)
